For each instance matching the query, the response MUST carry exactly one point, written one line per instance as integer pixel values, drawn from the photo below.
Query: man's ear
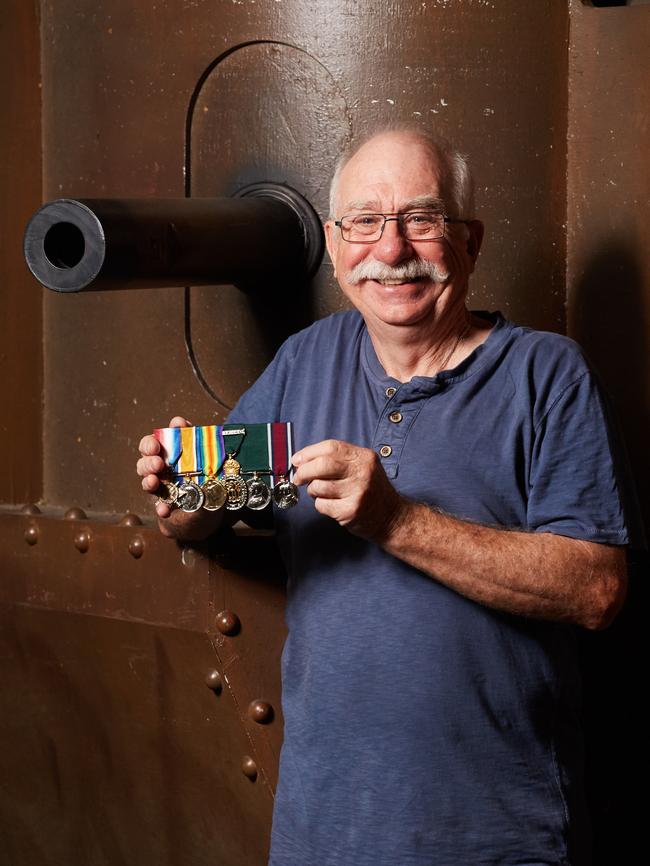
(331, 241)
(475, 230)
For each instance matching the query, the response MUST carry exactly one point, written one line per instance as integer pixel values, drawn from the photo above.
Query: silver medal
(285, 494)
(259, 494)
(190, 496)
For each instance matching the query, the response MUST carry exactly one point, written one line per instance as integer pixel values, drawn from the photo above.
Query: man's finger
(320, 489)
(309, 452)
(319, 467)
(179, 421)
(149, 445)
(149, 465)
(162, 510)
(150, 483)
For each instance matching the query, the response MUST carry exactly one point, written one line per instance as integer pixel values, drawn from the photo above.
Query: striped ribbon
(202, 450)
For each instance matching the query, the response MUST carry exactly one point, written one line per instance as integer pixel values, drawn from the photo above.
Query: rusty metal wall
(608, 311)
(137, 725)
(207, 96)
(608, 215)
(21, 357)
(142, 726)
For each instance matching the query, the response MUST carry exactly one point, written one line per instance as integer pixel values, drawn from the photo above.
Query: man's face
(396, 281)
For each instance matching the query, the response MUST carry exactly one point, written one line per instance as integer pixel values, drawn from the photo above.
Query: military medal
(236, 489)
(211, 451)
(259, 494)
(285, 493)
(214, 494)
(167, 492)
(190, 496)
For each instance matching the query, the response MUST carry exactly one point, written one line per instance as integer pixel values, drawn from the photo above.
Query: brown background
(113, 744)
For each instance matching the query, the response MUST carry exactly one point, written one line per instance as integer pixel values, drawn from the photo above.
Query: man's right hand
(173, 522)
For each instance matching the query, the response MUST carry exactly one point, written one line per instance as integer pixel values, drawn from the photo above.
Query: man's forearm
(540, 575)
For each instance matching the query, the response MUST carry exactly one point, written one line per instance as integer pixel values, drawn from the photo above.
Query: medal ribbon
(279, 438)
(211, 450)
(189, 461)
(204, 449)
(170, 440)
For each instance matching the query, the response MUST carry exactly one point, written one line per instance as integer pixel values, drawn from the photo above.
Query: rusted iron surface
(608, 261)
(179, 99)
(128, 712)
(608, 275)
(21, 353)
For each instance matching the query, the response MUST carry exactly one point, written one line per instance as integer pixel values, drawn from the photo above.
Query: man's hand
(172, 522)
(348, 483)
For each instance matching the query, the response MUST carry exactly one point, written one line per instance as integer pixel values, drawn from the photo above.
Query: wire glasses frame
(367, 228)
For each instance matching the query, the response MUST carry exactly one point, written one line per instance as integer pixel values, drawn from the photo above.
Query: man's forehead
(395, 166)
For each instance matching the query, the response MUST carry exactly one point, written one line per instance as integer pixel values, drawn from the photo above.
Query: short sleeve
(578, 485)
(262, 402)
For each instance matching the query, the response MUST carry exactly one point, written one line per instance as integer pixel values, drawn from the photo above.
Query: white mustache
(412, 269)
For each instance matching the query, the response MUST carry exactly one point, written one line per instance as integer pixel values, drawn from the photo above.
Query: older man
(465, 511)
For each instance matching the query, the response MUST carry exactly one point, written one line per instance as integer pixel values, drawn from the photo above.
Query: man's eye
(366, 220)
(420, 219)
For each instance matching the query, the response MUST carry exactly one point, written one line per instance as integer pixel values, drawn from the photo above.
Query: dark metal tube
(267, 232)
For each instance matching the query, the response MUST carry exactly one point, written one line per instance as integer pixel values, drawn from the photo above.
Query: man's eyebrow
(420, 202)
(424, 202)
(372, 206)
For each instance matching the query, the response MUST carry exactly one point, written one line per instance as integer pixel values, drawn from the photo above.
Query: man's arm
(539, 575)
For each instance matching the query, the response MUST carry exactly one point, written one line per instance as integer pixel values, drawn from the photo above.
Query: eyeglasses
(366, 228)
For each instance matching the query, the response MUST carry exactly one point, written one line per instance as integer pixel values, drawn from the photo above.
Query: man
(464, 512)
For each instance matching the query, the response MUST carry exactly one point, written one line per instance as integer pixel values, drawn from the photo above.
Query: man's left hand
(348, 483)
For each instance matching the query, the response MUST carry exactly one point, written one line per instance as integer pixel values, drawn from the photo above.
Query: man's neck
(405, 352)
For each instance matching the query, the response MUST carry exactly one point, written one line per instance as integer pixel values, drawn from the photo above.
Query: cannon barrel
(266, 232)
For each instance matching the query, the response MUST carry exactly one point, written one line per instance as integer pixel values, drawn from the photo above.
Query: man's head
(398, 280)
(456, 174)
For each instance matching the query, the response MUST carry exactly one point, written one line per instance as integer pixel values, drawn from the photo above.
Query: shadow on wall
(606, 314)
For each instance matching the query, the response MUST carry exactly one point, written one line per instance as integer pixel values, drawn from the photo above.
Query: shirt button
(395, 417)
(385, 450)
(390, 391)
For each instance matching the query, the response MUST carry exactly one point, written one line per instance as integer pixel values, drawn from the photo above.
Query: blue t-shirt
(421, 727)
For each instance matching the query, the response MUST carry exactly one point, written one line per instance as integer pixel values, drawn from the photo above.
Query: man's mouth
(397, 282)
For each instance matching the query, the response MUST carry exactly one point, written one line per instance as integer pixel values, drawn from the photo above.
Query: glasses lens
(423, 225)
(363, 226)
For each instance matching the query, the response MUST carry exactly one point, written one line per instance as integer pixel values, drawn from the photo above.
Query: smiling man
(465, 512)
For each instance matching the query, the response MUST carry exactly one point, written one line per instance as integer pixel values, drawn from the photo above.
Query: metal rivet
(82, 541)
(228, 622)
(30, 509)
(130, 519)
(213, 681)
(188, 557)
(136, 546)
(260, 712)
(390, 391)
(385, 450)
(31, 534)
(395, 417)
(75, 513)
(249, 767)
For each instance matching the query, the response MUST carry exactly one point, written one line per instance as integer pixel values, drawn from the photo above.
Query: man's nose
(392, 247)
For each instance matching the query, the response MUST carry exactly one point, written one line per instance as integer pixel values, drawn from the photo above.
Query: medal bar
(206, 466)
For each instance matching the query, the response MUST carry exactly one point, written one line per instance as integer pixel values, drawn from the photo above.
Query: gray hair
(457, 180)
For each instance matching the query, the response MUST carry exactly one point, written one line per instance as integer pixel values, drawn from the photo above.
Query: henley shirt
(422, 728)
